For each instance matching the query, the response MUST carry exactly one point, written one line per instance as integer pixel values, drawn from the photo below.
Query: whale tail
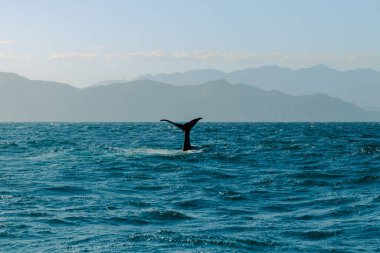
(186, 128)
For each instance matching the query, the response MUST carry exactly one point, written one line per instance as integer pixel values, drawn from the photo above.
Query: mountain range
(360, 86)
(27, 100)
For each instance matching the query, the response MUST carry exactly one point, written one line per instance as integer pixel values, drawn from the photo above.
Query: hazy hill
(145, 100)
(22, 99)
(361, 86)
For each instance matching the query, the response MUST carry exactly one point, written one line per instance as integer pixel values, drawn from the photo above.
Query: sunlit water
(128, 187)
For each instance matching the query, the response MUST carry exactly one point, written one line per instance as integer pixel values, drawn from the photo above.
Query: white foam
(158, 151)
(45, 156)
(6, 196)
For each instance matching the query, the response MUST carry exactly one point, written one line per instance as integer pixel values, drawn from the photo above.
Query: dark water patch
(223, 176)
(277, 208)
(139, 203)
(257, 243)
(37, 214)
(67, 189)
(162, 214)
(208, 175)
(314, 182)
(376, 199)
(315, 234)
(195, 204)
(80, 219)
(266, 181)
(6, 235)
(316, 175)
(127, 220)
(112, 168)
(140, 176)
(48, 143)
(292, 147)
(368, 179)
(151, 187)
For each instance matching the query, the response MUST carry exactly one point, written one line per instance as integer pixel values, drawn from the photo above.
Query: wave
(205, 241)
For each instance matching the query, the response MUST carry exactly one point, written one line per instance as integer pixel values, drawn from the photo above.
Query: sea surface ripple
(249, 187)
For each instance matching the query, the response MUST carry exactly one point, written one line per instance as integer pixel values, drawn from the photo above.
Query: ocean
(249, 187)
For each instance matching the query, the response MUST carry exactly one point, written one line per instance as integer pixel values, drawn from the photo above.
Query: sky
(81, 42)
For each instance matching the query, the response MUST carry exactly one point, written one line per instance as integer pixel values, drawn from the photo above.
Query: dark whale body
(186, 128)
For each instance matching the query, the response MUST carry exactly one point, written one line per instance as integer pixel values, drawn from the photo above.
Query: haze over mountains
(361, 86)
(22, 99)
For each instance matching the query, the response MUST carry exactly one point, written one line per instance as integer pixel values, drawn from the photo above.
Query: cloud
(198, 55)
(5, 42)
(231, 58)
(156, 54)
(274, 58)
(151, 54)
(4, 56)
(210, 56)
(9, 57)
(73, 56)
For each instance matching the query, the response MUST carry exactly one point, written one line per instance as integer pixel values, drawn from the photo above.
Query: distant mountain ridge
(361, 86)
(22, 99)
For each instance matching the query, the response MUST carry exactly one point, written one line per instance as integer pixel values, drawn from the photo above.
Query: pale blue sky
(85, 41)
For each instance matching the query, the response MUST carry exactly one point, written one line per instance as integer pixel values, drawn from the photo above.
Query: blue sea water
(249, 187)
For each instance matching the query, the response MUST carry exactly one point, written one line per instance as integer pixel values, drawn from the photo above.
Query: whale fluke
(186, 128)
